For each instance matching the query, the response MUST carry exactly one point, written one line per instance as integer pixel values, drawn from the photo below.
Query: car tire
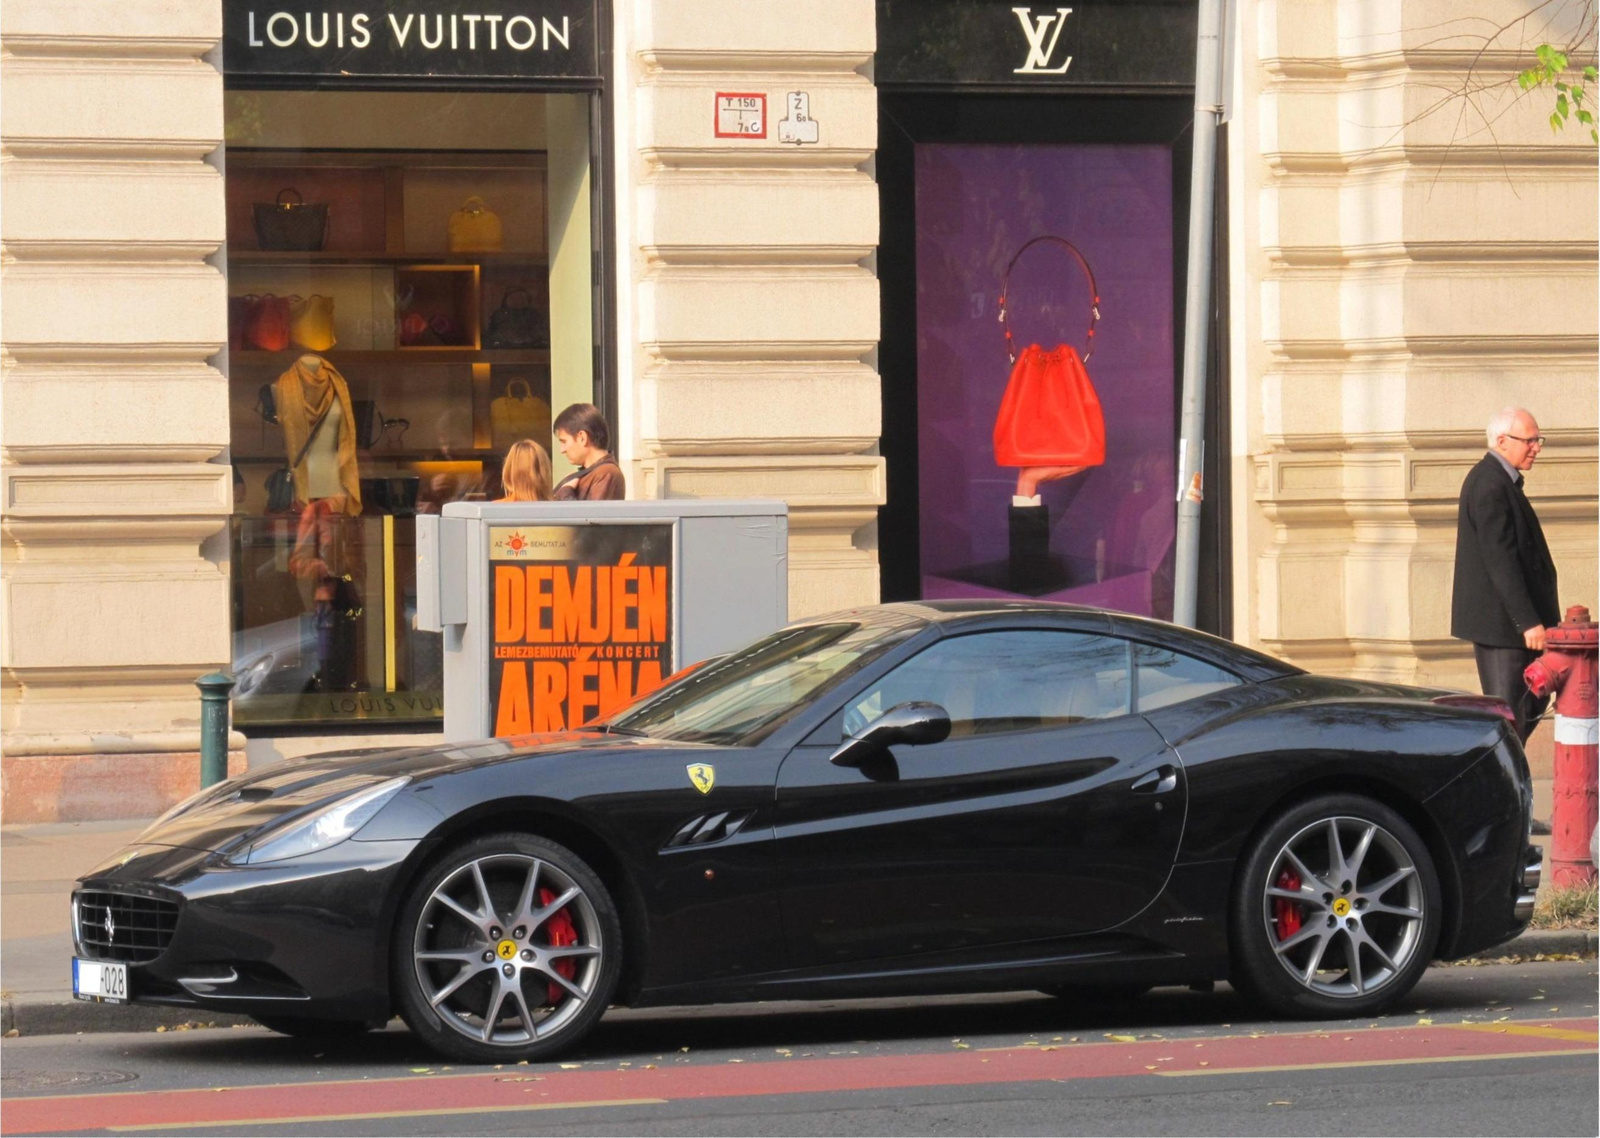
(315, 1029)
(507, 947)
(1318, 937)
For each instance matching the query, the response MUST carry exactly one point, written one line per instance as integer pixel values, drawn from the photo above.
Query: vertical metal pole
(214, 691)
(1197, 307)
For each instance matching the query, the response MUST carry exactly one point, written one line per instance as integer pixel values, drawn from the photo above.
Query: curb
(1574, 942)
(72, 1017)
(69, 1017)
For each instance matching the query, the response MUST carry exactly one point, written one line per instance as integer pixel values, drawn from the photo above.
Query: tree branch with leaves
(1571, 89)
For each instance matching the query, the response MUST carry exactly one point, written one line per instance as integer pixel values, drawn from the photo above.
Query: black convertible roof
(953, 614)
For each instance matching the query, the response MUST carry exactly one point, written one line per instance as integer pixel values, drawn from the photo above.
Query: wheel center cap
(507, 950)
(1341, 906)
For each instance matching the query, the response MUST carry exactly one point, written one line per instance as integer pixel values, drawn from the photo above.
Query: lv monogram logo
(1039, 52)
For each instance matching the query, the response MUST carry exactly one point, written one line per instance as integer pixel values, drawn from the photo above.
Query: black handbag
(291, 225)
(280, 483)
(517, 325)
(372, 426)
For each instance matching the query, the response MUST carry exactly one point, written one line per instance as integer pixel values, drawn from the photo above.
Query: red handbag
(1050, 415)
(266, 323)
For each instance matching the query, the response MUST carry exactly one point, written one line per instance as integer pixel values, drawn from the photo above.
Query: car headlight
(326, 827)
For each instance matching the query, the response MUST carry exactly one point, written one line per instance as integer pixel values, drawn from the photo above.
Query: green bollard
(214, 690)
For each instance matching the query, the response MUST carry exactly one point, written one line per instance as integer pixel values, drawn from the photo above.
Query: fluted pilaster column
(111, 408)
(754, 307)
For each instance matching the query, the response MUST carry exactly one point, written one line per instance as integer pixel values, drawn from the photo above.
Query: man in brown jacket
(584, 439)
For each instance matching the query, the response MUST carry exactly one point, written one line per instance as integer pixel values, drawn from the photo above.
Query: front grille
(123, 926)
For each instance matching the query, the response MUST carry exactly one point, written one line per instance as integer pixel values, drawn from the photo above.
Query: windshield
(740, 697)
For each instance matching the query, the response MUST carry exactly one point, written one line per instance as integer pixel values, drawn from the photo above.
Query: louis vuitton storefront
(415, 209)
(280, 279)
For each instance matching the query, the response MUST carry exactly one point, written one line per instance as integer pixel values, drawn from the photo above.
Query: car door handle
(1158, 781)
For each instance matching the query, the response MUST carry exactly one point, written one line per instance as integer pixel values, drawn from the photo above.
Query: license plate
(92, 980)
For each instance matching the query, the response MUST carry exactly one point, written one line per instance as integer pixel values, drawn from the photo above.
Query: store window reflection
(409, 293)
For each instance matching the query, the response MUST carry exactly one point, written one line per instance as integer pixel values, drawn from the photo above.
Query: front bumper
(305, 937)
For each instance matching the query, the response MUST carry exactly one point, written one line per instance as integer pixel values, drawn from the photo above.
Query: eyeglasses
(1536, 441)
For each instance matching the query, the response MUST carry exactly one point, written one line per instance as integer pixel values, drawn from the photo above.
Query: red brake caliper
(561, 931)
(1287, 911)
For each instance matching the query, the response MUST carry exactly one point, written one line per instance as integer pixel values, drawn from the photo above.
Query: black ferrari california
(910, 798)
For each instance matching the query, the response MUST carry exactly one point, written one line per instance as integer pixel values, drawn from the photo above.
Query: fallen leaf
(1122, 1038)
(1280, 1102)
(570, 1066)
(1424, 1022)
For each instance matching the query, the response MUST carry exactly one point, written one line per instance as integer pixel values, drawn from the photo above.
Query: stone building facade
(1392, 280)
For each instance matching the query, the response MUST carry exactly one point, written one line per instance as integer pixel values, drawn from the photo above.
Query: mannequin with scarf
(318, 422)
(313, 397)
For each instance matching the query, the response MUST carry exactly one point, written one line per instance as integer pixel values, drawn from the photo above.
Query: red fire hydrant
(1567, 668)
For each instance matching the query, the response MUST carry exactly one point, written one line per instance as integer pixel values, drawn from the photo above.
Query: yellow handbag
(519, 414)
(311, 322)
(475, 228)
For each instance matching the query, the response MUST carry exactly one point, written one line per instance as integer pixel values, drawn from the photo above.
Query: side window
(1166, 677)
(1019, 680)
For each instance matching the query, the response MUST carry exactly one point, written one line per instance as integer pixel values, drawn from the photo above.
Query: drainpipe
(1208, 85)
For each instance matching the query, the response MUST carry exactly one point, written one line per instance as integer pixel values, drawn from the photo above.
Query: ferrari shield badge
(703, 775)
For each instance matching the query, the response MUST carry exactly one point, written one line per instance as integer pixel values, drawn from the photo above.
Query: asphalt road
(1500, 1049)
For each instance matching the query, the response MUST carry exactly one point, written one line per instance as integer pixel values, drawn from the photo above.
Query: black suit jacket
(1505, 580)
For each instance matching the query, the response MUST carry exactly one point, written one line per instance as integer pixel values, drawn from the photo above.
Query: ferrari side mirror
(913, 723)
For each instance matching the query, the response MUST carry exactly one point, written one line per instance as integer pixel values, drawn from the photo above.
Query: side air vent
(705, 829)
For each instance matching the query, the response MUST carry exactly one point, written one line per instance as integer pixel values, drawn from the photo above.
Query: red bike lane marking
(522, 1088)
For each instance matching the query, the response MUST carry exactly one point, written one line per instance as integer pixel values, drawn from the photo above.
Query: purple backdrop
(976, 205)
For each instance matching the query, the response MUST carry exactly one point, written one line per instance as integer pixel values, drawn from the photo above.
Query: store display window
(1045, 432)
(410, 293)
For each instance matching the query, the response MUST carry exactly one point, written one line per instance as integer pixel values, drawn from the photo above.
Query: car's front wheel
(1337, 910)
(509, 947)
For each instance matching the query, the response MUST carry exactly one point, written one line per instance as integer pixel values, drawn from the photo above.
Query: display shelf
(510, 356)
(475, 454)
(247, 257)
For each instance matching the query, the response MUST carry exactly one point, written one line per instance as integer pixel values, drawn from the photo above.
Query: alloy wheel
(508, 949)
(1344, 907)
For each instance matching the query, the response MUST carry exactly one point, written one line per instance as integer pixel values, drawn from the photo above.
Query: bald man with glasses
(1505, 582)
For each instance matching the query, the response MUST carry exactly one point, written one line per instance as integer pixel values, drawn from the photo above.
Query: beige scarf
(304, 397)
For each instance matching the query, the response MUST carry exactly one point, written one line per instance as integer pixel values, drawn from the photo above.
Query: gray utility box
(556, 613)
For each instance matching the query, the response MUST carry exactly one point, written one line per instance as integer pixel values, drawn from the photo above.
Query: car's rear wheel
(1336, 911)
(509, 947)
(314, 1029)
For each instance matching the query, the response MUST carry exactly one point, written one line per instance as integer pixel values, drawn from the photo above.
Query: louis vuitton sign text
(331, 41)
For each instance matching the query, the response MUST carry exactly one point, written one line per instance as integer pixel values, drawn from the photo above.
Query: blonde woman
(525, 477)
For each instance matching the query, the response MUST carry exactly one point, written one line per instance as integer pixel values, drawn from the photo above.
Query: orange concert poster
(582, 619)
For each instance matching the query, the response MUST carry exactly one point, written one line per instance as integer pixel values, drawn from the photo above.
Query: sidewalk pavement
(39, 864)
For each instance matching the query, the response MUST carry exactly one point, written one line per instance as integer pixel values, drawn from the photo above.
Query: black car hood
(260, 798)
